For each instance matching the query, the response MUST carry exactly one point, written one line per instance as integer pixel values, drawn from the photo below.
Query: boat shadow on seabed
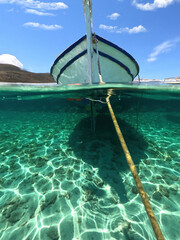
(102, 150)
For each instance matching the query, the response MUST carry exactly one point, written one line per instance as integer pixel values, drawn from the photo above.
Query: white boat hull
(116, 65)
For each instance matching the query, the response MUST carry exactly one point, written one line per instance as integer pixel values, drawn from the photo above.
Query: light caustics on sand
(59, 181)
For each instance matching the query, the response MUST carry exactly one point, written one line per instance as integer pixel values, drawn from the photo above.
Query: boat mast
(88, 17)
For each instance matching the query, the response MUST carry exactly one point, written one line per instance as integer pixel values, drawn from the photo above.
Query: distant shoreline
(12, 74)
(27, 84)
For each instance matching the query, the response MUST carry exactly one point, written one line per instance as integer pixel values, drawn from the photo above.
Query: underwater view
(60, 179)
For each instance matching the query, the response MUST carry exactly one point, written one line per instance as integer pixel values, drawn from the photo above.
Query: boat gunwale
(119, 49)
(101, 54)
(98, 38)
(67, 50)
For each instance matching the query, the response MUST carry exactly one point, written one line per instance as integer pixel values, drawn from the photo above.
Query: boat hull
(113, 63)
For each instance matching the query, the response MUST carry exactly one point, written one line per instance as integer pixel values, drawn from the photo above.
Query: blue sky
(36, 32)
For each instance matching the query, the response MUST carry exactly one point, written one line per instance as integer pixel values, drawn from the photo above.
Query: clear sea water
(61, 180)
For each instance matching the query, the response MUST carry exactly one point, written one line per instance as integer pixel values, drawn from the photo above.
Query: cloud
(113, 16)
(36, 12)
(164, 47)
(43, 26)
(37, 4)
(133, 30)
(10, 59)
(115, 29)
(152, 6)
(108, 28)
(137, 29)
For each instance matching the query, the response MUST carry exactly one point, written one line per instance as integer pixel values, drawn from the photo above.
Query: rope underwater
(88, 16)
(150, 213)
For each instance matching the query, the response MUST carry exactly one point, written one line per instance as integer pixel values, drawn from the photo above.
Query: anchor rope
(147, 205)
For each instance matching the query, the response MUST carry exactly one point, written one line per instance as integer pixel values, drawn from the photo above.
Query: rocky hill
(10, 73)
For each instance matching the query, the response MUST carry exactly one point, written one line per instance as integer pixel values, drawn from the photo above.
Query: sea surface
(63, 174)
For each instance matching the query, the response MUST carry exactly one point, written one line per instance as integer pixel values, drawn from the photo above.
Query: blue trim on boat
(101, 54)
(118, 48)
(70, 62)
(116, 61)
(100, 39)
(66, 51)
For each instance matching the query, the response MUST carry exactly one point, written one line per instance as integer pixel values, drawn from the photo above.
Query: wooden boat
(93, 60)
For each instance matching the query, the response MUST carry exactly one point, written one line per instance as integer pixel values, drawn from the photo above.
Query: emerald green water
(60, 180)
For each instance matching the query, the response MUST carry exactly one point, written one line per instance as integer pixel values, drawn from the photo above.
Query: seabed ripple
(58, 180)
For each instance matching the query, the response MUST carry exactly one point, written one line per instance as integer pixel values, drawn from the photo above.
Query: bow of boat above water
(93, 60)
(113, 63)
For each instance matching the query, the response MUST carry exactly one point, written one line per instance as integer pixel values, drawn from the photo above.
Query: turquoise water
(61, 180)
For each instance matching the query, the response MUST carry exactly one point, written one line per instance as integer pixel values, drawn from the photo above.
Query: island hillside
(13, 74)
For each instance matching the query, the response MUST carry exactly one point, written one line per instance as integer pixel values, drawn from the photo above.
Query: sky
(33, 33)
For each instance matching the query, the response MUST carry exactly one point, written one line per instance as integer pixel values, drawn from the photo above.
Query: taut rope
(147, 205)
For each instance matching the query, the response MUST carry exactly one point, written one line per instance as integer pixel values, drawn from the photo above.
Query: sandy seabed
(59, 180)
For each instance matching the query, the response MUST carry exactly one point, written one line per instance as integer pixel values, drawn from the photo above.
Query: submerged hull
(111, 64)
